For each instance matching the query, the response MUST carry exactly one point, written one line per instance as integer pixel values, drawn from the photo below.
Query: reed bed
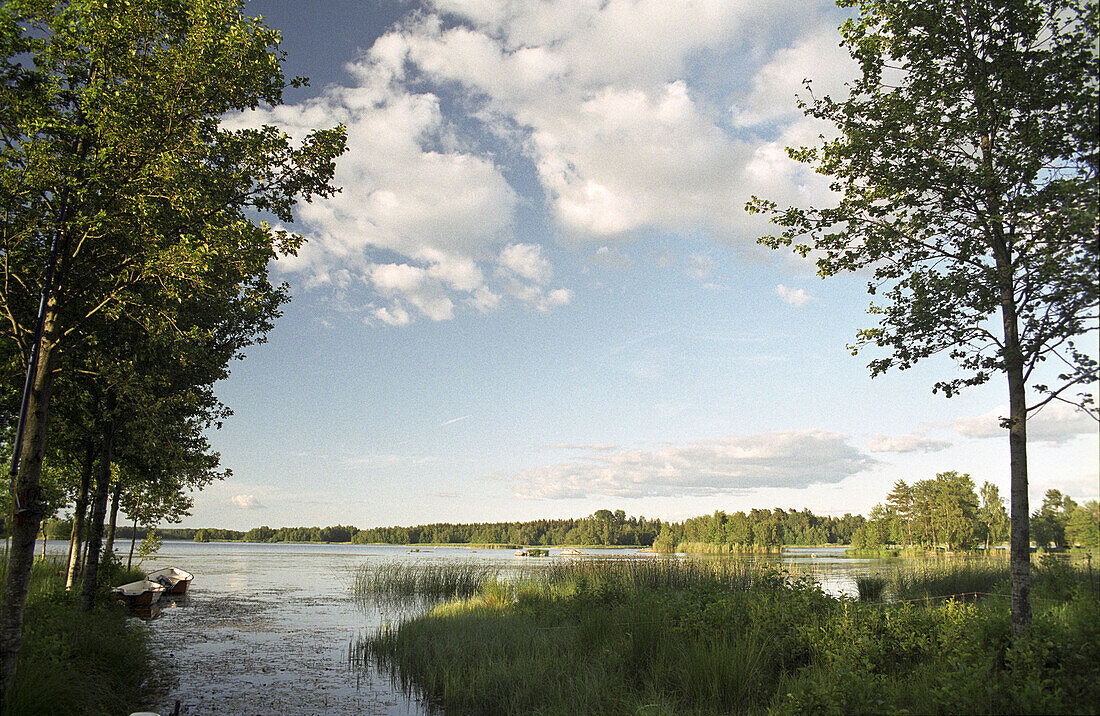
(870, 587)
(403, 583)
(948, 580)
(629, 575)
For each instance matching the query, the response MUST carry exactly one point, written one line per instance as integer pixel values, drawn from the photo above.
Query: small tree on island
(965, 172)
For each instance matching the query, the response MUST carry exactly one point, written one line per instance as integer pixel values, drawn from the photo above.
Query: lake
(266, 628)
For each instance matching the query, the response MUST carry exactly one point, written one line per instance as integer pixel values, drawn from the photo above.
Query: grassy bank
(669, 637)
(75, 662)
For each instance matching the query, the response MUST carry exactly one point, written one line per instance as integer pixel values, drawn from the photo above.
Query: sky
(538, 293)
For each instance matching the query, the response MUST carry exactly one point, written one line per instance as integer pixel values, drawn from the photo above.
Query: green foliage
(944, 579)
(1049, 522)
(1083, 525)
(965, 183)
(149, 546)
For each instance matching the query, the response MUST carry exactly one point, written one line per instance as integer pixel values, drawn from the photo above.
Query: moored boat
(141, 592)
(175, 580)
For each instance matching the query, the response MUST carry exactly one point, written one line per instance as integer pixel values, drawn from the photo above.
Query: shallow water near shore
(267, 628)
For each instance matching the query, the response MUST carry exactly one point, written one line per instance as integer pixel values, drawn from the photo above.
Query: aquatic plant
(404, 582)
(949, 579)
(870, 587)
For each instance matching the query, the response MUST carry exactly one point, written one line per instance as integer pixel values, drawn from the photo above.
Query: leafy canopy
(965, 172)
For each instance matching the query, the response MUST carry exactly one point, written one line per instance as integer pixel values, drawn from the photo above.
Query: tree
(120, 190)
(956, 509)
(1049, 522)
(992, 515)
(900, 502)
(965, 173)
(1083, 526)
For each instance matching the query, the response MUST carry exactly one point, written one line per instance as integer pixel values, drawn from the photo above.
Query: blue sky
(538, 294)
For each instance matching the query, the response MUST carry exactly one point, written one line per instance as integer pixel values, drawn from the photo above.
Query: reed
(727, 548)
(700, 637)
(404, 583)
(949, 579)
(633, 575)
(870, 587)
(587, 636)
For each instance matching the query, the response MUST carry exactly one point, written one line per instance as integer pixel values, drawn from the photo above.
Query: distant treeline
(941, 512)
(756, 530)
(759, 528)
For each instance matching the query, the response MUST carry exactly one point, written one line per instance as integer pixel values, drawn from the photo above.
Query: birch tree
(965, 172)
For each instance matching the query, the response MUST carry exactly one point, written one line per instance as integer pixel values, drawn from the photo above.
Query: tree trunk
(110, 538)
(29, 493)
(76, 539)
(1020, 542)
(99, 514)
(1020, 538)
(133, 539)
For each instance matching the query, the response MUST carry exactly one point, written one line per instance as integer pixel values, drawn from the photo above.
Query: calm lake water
(266, 628)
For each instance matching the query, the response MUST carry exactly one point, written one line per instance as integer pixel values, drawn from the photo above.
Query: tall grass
(948, 579)
(403, 583)
(870, 587)
(727, 548)
(608, 576)
(589, 636)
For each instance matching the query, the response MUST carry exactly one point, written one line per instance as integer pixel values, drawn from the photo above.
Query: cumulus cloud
(1056, 423)
(526, 261)
(629, 124)
(245, 502)
(906, 443)
(793, 296)
(737, 463)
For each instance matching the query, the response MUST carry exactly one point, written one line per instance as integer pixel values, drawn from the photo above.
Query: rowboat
(141, 592)
(175, 580)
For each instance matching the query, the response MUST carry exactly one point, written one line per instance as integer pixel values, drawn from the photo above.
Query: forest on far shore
(946, 511)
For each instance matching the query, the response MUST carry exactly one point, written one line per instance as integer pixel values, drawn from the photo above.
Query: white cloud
(526, 261)
(816, 55)
(245, 502)
(906, 443)
(635, 115)
(793, 296)
(737, 463)
(1056, 423)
